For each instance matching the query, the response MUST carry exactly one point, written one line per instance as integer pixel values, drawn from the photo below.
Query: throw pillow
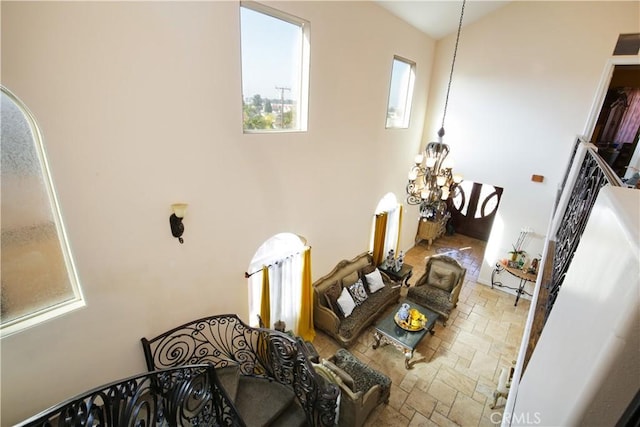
(441, 278)
(350, 278)
(368, 269)
(374, 281)
(331, 294)
(357, 292)
(346, 303)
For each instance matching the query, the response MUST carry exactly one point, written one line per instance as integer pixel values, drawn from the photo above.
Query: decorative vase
(390, 261)
(403, 313)
(399, 261)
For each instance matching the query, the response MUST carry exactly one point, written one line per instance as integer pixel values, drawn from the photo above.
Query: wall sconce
(175, 220)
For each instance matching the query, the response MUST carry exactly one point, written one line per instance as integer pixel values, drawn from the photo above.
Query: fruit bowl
(415, 322)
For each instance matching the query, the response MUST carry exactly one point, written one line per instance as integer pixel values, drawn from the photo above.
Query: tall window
(389, 205)
(400, 93)
(283, 256)
(38, 276)
(275, 69)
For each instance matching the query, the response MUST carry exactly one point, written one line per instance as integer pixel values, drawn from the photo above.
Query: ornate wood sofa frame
(224, 341)
(188, 395)
(346, 330)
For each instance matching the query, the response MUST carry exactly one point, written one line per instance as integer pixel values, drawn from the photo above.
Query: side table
(401, 276)
(520, 274)
(431, 230)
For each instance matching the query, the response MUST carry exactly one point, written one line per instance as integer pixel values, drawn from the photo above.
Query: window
(38, 276)
(400, 93)
(275, 59)
(283, 255)
(389, 205)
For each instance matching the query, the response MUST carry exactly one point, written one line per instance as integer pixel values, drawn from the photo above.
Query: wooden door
(474, 208)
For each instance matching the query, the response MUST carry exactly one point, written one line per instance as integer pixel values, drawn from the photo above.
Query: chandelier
(431, 178)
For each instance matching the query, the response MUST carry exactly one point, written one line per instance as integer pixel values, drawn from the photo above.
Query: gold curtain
(378, 238)
(265, 301)
(305, 321)
(399, 226)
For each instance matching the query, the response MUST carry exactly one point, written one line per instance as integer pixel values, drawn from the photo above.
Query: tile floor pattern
(456, 370)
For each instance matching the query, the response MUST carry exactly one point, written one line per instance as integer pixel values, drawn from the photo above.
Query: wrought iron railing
(224, 340)
(594, 174)
(184, 396)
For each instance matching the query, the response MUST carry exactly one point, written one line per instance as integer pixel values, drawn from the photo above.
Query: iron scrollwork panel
(591, 178)
(185, 396)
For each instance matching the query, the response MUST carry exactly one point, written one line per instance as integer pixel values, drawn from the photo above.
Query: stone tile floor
(455, 371)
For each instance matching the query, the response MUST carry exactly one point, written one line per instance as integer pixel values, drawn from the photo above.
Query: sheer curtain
(386, 226)
(283, 256)
(392, 234)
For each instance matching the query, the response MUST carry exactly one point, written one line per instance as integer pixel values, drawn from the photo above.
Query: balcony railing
(586, 174)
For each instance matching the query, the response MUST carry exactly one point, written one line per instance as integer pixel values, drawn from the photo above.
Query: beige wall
(140, 107)
(524, 82)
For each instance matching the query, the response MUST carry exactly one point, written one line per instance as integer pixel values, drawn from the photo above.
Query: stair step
(293, 416)
(260, 401)
(229, 378)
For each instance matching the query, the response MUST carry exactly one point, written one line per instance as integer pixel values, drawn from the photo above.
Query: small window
(275, 58)
(38, 277)
(400, 93)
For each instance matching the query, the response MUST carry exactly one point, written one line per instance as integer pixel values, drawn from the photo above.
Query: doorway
(617, 127)
(474, 208)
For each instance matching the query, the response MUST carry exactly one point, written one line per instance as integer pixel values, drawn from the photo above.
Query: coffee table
(387, 331)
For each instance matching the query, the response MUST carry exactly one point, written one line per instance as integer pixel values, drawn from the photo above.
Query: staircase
(261, 401)
(266, 375)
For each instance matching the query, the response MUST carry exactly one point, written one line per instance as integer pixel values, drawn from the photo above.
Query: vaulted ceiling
(440, 18)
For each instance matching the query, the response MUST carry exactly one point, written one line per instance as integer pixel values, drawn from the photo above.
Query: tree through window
(274, 69)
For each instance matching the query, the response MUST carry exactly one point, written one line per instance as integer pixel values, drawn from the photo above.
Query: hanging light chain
(453, 63)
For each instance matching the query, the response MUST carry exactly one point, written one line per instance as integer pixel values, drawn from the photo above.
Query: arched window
(38, 276)
(388, 207)
(283, 255)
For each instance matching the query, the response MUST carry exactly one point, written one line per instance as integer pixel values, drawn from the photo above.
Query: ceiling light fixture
(431, 178)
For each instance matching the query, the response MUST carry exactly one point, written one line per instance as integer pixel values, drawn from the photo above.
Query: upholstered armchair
(362, 388)
(439, 287)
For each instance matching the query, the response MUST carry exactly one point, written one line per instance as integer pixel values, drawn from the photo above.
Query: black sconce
(175, 220)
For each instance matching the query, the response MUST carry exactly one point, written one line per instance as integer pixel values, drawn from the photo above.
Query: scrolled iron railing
(224, 340)
(184, 396)
(594, 173)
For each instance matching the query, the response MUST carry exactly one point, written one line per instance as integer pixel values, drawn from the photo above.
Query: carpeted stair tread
(229, 378)
(293, 416)
(260, 401)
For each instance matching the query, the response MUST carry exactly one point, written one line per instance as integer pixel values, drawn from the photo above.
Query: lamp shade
(179, 209)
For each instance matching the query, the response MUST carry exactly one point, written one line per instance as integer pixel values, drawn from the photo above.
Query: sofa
(373, 295)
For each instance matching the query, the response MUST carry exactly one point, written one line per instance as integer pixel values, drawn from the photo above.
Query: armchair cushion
(441, 278)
